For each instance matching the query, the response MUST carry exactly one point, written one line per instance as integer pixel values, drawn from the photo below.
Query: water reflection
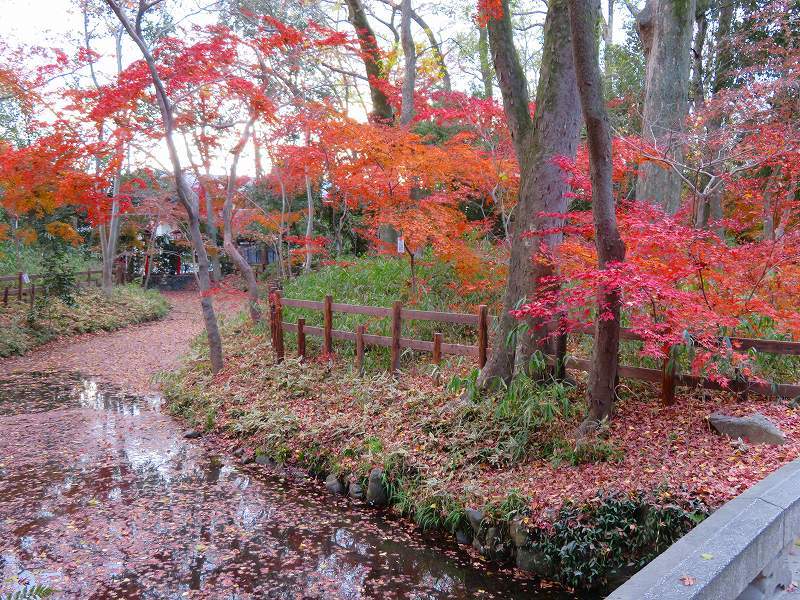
(101, 497)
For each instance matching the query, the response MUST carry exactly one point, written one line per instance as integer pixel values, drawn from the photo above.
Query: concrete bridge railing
(741, 552)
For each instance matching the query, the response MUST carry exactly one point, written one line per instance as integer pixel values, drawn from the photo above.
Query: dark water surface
(102, 497)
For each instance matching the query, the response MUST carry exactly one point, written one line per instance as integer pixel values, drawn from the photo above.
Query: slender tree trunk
(381, 109)
(553, 131)
(610, 247)
(227, 220)
(608, 41)
(185, 195)
(486, 65)
(723, 57)
(211, 230)
(665, 28)
(437, 50)
(309, 224)
(410, 63)
(697, 86)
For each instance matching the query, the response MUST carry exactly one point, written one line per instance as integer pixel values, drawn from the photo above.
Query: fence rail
(667, 376)
(20, 292)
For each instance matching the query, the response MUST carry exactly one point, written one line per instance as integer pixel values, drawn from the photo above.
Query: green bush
(23, 327)
(611, 537)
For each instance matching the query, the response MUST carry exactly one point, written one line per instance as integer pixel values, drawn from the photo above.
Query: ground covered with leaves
(512, 454)
(23, 327)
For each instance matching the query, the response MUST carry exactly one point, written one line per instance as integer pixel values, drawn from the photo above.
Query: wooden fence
(16, 288)
(666, 376)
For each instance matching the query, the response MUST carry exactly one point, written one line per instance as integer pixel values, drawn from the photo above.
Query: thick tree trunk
(610, 247)
(185, 195)
(228, 242)
(381, 109)
(552, 132)
(665, 28)
(409, 64)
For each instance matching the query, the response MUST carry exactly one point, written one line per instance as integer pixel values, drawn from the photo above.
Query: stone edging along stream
(739, 552)
(507, 539)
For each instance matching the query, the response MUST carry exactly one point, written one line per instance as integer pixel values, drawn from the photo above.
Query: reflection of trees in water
(161, 516)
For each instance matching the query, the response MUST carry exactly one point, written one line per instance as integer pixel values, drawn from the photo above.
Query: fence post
(360, 349)
(668, 380)
(301, 338)
(437, 348)
(19, 286)
(33, 293)
(327, 316)
(5, 297)
(483, 334)
(278, 327)
(88, 276)
(397, 308)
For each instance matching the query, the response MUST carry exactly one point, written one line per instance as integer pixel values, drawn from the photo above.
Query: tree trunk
(309, 224)
(437, 50)
(381, 109)
(552, 132)
(185, 195)
(486, 66)
(665, 28)
(227, 220)
(610, 247)
(697, 83)
(211, 230)
(409, 63)
(608, 41)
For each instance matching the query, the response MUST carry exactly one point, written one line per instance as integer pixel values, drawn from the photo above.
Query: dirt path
(128, 357)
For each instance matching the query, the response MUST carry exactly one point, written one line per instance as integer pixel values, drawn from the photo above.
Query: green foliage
(522, 418)
(381, 281)
(34, 592)
(593, 450)
(59, 274)
(23, 328)
(31, 258)
(611, 537)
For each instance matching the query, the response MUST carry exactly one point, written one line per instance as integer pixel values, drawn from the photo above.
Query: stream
(102, 497)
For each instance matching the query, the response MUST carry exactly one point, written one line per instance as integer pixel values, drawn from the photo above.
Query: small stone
(334, 485)
(355, 490)
(263, 459)
(533, 562)
(755, 428)
(463, 537)
(518, 532)
(475, 517)
(192, 434)
(246, 459)
(376, 490)
(239, 452)
(740, 445)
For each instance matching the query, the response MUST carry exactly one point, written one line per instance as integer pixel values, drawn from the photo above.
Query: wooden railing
(14, 287)
(481, 320)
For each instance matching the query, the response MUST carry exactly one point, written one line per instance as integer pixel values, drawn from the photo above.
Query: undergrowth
(23, 327)
(433, 443)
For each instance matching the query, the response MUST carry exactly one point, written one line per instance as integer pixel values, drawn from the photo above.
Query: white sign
(401, 245)
(25, 278)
